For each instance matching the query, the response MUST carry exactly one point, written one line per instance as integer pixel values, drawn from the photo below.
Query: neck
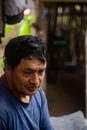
(25, 99)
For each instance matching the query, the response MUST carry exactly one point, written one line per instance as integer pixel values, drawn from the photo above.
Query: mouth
(32, 89)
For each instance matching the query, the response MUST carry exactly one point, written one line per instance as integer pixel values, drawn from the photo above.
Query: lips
(33, 88)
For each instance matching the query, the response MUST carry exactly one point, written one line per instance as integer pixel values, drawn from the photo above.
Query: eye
(41, 71)
(28, 72)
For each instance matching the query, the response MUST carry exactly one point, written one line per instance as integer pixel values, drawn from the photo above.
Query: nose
(34, 79)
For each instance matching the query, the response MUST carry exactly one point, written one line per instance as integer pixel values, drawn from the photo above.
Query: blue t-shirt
(16, 115)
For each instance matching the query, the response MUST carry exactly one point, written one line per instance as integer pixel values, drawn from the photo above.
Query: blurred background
(62, 25)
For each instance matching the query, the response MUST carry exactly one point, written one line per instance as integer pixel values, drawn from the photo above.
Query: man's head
(25, 65)
(24, 47)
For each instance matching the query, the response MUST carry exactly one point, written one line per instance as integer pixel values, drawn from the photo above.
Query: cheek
(22, 80)
(42, 77)
(19, 79)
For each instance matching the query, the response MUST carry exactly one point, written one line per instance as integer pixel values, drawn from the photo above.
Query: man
(23, 104)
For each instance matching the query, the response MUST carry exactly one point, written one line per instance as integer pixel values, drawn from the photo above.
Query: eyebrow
(35, 69)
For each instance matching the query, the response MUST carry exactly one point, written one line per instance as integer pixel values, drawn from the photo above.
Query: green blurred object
(25, 28)
(1, 65)
(8, 28)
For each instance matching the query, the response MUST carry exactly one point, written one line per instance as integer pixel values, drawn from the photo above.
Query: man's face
(27, 77)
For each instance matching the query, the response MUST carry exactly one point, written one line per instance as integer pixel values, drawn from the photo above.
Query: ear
(7, 68)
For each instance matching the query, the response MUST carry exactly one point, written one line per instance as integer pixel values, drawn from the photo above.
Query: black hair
(22, 47)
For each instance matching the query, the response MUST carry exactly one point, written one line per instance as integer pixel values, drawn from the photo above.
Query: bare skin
(25, 79)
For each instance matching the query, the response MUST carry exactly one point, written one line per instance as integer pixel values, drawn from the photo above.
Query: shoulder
(4, 114)
(41, 93)
(40, 96)
(3, 124)
(4, 101)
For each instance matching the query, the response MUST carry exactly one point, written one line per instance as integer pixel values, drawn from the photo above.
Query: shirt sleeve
(45, 117)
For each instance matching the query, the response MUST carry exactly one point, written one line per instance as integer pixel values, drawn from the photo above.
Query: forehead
(31, 64)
